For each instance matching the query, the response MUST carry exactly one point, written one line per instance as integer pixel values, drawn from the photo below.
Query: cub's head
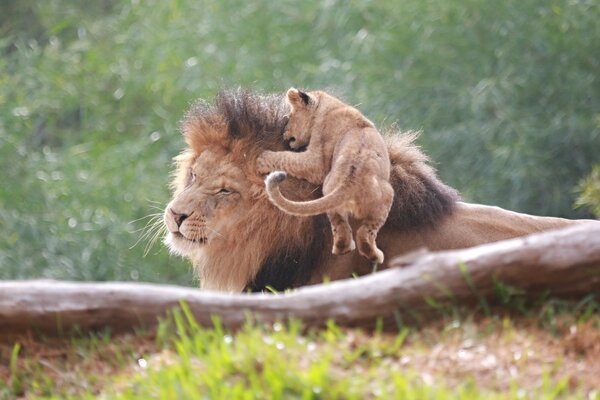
(303, 105)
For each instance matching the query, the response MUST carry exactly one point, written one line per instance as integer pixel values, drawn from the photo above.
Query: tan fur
(347, 155)
(244, 242)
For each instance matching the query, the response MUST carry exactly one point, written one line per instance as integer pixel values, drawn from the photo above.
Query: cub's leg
(367, 233)
(306, 165)
(342, 234)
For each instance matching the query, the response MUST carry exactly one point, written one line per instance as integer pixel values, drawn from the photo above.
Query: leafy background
(507, 95)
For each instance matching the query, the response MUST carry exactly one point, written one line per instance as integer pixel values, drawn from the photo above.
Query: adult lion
(221, 219)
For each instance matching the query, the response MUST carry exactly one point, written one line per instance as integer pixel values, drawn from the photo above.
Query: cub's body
(347, 155)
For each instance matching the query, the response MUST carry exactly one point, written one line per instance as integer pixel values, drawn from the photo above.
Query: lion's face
(213, 196)
(220, 217)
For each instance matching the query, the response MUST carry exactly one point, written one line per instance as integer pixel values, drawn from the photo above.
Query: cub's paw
(371, 252)
(378, 257)
(343, 246)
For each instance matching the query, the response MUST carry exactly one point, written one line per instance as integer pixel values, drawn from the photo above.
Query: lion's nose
(179, 218)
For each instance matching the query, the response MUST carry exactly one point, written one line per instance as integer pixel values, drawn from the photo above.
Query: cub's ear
(297, 97)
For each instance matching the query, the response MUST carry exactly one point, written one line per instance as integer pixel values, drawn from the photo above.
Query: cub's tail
(302, 208)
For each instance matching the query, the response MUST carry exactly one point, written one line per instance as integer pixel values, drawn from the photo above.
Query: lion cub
(348, 156)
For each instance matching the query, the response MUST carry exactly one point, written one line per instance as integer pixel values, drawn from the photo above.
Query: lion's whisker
(214, 231)
(151, 224)
(154, 201)
(151, 231)
(152, 241)
(150, 216)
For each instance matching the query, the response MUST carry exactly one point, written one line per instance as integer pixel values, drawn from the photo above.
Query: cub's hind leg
(365, 236)
(342, 234)
(367, 233)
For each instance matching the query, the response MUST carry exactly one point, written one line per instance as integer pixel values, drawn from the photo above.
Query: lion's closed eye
(191, 178)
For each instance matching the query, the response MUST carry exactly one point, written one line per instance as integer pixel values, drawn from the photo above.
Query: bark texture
(564, 263)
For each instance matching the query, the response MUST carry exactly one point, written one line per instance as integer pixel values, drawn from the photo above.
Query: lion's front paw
(263, 162)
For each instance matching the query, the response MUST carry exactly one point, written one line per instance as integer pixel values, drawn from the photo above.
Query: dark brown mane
(252, 114)
(246, 115)
(420, 197)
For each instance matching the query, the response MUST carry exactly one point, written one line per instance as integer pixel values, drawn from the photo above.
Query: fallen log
(563, 262)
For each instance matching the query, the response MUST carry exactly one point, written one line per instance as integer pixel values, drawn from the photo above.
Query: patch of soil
(522, 356)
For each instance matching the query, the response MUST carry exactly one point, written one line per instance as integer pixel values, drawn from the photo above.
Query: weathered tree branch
(564, 262)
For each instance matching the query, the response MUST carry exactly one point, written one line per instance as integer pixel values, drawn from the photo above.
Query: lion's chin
(182, 246)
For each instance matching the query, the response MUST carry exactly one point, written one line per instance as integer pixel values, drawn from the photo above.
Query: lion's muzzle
(173, 219)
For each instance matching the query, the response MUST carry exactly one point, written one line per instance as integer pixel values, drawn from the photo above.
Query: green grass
(439, 360)
(276, 362)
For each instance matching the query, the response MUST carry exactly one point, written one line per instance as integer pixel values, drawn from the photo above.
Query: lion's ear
(297, 98)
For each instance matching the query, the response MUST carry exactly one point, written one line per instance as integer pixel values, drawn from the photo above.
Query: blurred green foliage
(507, 95)
(590, 191)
